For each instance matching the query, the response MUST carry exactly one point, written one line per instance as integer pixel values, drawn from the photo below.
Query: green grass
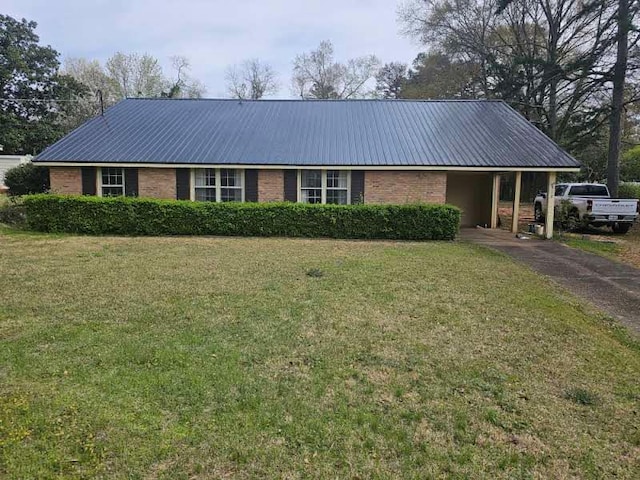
(604, 248)
(185, 358)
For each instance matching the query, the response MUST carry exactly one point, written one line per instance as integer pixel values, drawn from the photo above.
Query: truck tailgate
(614, 207)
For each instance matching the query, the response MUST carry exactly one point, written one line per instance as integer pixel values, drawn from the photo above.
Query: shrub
(629, 190)
(12, 212)
(27, 178)
(135, 216)
(567, 216)
(630, 165)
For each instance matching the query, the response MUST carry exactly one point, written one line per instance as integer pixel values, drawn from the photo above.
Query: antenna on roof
(99, 93)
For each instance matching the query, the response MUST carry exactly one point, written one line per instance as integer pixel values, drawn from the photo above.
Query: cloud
(215, 34)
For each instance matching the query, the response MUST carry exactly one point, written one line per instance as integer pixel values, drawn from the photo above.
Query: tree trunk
(552, 76)
(617, 103)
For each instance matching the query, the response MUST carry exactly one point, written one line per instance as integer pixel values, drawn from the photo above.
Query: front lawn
(624, 248)
(203, 358)
(606, 248)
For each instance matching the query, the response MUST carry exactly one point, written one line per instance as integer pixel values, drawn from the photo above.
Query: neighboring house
(7, 162)
(333, 151)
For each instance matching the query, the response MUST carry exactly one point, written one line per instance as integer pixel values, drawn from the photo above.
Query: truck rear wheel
(621, 227)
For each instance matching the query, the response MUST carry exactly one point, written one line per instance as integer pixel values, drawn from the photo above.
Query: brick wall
(157, 183)
(270, 185)
(390, 186)
(394, 186)
(66, 180)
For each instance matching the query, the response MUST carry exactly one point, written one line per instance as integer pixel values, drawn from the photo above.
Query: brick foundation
(66, 180)
(157, 183)
(270, 185)
(394, 186)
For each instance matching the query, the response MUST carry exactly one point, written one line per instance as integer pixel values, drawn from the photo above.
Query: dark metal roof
(294, 132)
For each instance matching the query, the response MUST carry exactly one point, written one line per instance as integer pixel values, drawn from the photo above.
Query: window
(589, 191)
(111, 182)
(311, 186)
(217, 185)
(205, 185)
(230, 185)
(337, 191)
(560, 190)
(324, 186)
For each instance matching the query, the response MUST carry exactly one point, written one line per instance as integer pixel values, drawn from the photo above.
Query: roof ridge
(342, 100)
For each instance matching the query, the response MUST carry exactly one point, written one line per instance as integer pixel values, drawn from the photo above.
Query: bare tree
(548, 58)
(183, 86)
(251, 79)
(135, 75)
(317, 75)
(90, 74)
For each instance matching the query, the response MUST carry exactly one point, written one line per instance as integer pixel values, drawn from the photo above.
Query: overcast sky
(216, 33)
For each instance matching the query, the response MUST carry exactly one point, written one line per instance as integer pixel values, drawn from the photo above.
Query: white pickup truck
(591, 204)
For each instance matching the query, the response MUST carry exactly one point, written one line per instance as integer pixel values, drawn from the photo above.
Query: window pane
(231, 194)
(230, 178)
(205, 177)
(112, 191)
(337, 196)
(112, 176)
(336, 179)
(311, 178)
(312, 195)
(206, 194)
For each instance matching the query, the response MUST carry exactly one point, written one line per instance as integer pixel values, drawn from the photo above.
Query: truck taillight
(589, 205)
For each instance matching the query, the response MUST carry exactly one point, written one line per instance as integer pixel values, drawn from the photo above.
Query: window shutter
(131, 182)
(88, 180)
(290, 186)
(357, 186)
(183, 184)
(251, 185)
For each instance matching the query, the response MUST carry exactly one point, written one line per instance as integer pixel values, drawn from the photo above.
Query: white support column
(495, 198)
(551, 196)
(516, 203)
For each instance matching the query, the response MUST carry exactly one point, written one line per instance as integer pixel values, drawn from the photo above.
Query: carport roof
(349, 133)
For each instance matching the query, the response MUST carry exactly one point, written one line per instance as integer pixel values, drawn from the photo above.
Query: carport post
(495, 198)
(516, 203)
(551, 197)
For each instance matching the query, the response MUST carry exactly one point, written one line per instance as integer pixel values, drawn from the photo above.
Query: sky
(214, 34)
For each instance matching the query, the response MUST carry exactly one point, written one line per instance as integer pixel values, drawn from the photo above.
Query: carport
(477, 193)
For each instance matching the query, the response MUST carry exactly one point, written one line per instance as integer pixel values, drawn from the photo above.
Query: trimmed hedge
(136, 216)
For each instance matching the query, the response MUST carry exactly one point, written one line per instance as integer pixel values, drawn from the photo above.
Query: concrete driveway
(609, 285)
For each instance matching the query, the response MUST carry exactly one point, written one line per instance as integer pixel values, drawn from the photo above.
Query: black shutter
(251, 185)
(183, 184)
(131, 182)
(290, 186)
(357, 186)
(88, 180)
